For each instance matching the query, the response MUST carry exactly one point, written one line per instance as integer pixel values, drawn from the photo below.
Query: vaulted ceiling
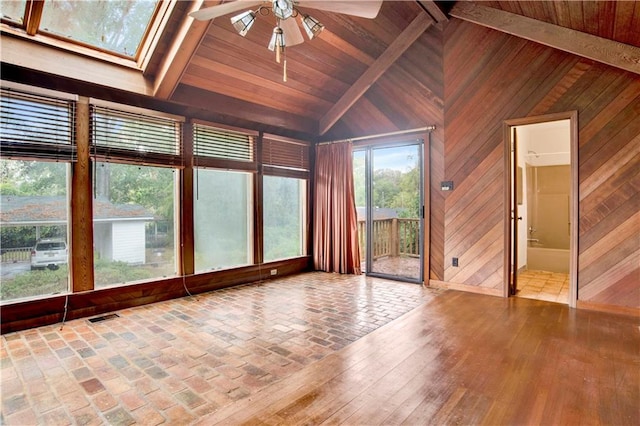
(359, 77)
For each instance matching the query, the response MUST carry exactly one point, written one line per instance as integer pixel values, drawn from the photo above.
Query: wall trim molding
(611, 309)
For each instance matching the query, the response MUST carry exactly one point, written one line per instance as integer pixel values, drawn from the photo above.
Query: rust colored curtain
(335, 223)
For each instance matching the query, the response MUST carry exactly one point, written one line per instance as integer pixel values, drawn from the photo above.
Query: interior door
(516, 195)
(395, 212)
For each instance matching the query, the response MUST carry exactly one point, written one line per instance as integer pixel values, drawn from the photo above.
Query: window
(286, 168)
(120, 28)
(114, 25)
(223, 217)
(133, 223)
(37, 150)
(134, 205)
(284, 211)
(13, 10)
(223, 199)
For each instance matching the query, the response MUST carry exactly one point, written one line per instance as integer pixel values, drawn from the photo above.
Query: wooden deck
(465, 358)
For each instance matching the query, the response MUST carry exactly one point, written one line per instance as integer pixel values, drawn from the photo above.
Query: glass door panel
(360, 189)
(395, 212)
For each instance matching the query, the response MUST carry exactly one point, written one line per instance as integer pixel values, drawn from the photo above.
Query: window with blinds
(124, 135)
(225, 146)
(285, 156)
(35, 126)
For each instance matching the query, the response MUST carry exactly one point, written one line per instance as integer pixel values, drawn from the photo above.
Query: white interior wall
(540, 144)
(524, 140)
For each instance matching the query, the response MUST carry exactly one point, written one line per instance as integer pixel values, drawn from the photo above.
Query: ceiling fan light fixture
(311, 26)
(283, 9)
(277, 42)
(243, 22)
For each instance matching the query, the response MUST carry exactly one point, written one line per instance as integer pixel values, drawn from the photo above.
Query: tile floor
(544, 285)
(175, 361)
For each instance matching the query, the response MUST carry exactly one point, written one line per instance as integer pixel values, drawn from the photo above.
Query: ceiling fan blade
(223, 9)
(291, 32)
(364, 9)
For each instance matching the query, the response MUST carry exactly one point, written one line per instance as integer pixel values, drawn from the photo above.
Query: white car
(49, 253)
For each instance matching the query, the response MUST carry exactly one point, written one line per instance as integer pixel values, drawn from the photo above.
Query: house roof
(358, 77)
(47, 210)
(379, 213)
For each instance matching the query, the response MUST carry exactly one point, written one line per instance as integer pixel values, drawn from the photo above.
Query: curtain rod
(380, 135)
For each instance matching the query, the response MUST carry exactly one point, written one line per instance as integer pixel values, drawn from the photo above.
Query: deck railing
(14, 255)
(393, 237)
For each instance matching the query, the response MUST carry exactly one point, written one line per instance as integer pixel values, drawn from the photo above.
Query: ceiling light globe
(283, 9)
(311, 26)
(243, 22)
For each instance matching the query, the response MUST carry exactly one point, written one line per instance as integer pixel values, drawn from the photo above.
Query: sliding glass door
(388, 182)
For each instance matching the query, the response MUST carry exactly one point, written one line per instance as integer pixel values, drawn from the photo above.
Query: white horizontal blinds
(124, 135)
(36, 126)
(280, 156)
(220, 147)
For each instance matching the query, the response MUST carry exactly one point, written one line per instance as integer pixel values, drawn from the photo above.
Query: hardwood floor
(465, 358)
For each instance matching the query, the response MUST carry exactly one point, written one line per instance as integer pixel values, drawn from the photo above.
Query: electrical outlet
(454, 262)
(274, 272)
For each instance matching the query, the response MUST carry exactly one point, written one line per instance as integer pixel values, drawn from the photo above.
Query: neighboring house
(379, 213)
(119, 229)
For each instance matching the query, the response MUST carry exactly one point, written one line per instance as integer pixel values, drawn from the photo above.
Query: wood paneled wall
(490, 77)
(409, 95)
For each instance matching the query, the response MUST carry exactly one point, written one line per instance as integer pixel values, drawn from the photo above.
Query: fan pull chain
(284, 69)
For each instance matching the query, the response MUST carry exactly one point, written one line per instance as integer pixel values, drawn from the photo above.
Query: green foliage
(36, 283)
(47, 282)
(281, 210)
(150, 187)
(109, 273)
(32, 178)
(392, 188)
(25, 236)
(222, 216)
(359, 178)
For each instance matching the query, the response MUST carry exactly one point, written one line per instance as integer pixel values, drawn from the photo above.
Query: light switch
(446, 185)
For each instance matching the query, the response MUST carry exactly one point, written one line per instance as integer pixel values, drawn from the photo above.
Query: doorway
(389, 200)
(542, 208)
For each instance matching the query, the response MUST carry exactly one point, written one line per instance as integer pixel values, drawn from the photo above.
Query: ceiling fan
(286, 31)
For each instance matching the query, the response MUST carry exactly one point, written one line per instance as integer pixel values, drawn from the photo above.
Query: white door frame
(572, 116)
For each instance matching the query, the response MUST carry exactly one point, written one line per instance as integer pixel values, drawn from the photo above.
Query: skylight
(114, 26)
(13, 10)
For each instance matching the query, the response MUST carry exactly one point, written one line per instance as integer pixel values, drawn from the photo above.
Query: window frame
(175, 162)
(61, 153)
(251, 218)
(30, 29)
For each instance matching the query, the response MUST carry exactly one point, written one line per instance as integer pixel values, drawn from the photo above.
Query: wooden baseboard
(612, 309)
(463, 287)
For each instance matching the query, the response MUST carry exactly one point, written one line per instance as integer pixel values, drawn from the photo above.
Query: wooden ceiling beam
(432, 9)
(187, 39)
(599, 49)
(414, 30)
(226, 109)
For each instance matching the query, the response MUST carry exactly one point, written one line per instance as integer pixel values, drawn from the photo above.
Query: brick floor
(175, 361)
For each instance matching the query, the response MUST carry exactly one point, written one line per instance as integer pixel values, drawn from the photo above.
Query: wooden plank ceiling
(236, 76)
(230, 71)
(359, 77)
